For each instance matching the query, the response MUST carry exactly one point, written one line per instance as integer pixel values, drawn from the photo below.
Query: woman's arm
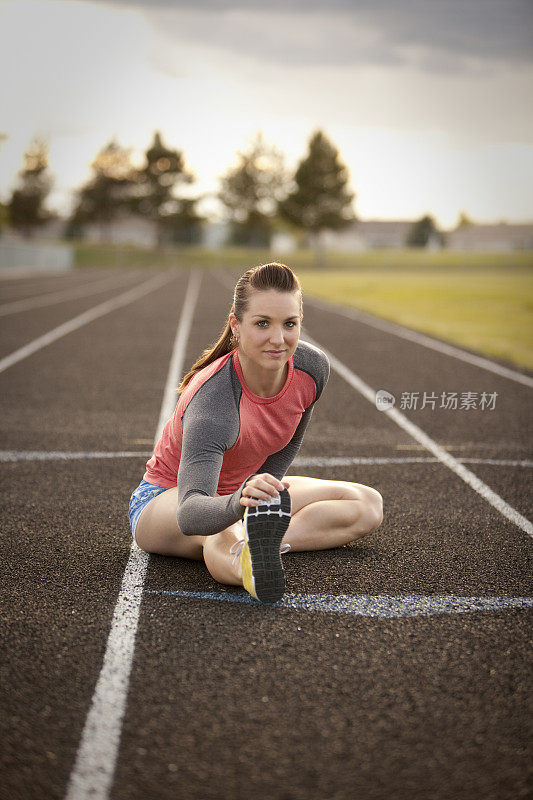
(209, 429)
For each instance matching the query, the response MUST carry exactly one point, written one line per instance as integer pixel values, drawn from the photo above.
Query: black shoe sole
(265, 527)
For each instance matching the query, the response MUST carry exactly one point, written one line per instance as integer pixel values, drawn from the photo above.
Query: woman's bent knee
(367, 512)
(373, 514)
(377, 505)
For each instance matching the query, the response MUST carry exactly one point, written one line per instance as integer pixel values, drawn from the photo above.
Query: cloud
(446, 36)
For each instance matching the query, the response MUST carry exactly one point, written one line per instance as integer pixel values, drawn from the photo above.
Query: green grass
(108, 255)
(240, 258)
(482, 301)
(485, 308)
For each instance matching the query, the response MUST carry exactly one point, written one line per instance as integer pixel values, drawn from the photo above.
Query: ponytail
(222, 346)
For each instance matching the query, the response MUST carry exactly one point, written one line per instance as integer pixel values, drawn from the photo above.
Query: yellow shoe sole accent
(247, 574)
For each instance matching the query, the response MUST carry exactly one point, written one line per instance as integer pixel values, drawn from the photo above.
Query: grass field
(240, 258)
(488, 310)
(482, 301)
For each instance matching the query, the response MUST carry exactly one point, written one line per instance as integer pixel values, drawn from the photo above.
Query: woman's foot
(264, 527)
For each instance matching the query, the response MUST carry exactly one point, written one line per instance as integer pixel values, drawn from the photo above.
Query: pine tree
(4, 216)
(109, 192)
(463, 221)
(185, 226)
(251, 190)
(4, 211)
(154, 199)
(320, 199)
(26, 207)
(424, 231)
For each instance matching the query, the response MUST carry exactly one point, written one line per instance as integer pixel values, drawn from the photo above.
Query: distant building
(123, 230)
(282, 243)
(215, 234)
(359, 236)
(369, 234)
(375, 234)
(500, 238)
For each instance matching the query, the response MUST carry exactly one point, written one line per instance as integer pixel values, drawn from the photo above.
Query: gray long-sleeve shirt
(221, 434)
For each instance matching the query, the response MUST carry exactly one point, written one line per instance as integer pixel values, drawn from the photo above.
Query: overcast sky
(427, 100)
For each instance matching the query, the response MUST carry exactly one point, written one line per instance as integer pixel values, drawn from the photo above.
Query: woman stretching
(216, 486)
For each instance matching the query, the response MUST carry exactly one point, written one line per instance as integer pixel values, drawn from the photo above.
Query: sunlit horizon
(421, 128)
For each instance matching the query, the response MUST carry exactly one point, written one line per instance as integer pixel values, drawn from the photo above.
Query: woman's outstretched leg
(158, 532)
(325, 514)
(219, 558)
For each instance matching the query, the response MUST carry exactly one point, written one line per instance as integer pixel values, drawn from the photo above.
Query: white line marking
(23, 273)
(92, 775)
(170, 395)
(365, 605)
(299, 461)
(418, 434)
(421, 339)
(83, 319)
(62, 455)
(345, 461)
(68, 279)
(39, 301)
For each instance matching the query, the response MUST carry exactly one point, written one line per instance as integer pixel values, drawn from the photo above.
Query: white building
(123, 230)
(359, 236)
(500, 238)
(367, 235)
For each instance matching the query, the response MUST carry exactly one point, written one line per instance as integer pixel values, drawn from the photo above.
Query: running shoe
(264, 527)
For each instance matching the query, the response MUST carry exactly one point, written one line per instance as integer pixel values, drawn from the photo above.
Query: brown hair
(266, 276)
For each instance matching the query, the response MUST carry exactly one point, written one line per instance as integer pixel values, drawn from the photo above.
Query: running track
(394, 668)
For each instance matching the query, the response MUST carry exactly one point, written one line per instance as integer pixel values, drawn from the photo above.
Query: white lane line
(365, 605)
(35, 286)
(93, 771)
(421, 339)
(48, 299)
(300, 461)
(23, 273)
(346, 461)
(418, 434)
(63, 455)
(84, 318)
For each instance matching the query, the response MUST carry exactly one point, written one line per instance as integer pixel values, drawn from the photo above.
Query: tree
(154, 197)
(4, 216)
(320, 199)
(108, 192)
(4, 211)
(423, 232)
(26, 207)
(185, 226)
(463, 221)
(251, 191)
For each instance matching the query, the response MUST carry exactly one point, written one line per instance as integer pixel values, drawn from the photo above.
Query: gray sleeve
(210, 427)
(278, 463)
(315, 362)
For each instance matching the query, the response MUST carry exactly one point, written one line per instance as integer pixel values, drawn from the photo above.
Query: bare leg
(158, 532)
(330, 513)
(157, 529)
(324, 514)
(218, 558)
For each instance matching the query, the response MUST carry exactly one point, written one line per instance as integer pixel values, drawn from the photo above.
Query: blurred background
(388, 139)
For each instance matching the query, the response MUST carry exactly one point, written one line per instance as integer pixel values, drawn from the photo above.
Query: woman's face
(270, 328)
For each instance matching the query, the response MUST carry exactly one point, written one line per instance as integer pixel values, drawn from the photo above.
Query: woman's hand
(261, 487)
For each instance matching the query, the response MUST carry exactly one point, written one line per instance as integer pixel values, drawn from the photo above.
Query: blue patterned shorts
(139, 500)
